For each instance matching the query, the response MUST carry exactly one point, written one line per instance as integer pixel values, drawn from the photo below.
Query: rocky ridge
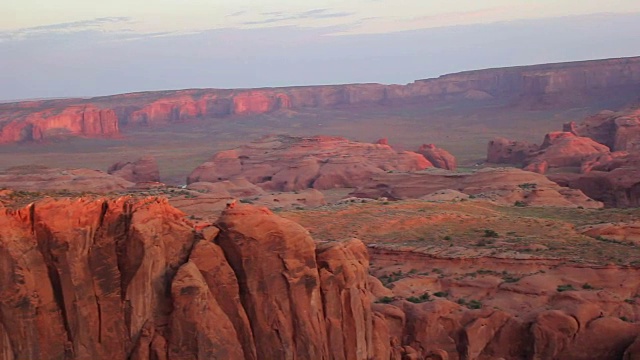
(286, 163)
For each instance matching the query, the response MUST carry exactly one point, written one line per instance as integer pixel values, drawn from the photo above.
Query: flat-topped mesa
(572, 83)
(286, 163)
(58, 122)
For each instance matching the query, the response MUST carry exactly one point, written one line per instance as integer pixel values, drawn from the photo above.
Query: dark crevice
(99, 321)
(32, 218)
(103, 213)
(44, 238)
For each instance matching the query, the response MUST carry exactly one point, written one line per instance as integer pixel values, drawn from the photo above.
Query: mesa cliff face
(540, 85)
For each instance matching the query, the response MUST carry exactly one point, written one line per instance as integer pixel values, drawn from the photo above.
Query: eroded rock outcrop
(286, 163)
(144, 169)
(559, 150)
(440, 158)
(505, 151)
(617, 188)
(505, 186)
(130, 278)
(620, 131)
(37, 178)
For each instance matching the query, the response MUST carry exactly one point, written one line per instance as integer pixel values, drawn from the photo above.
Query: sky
(65, 48)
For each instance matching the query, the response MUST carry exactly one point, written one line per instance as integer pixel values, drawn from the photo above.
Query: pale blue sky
(84, 47)
(360, 15)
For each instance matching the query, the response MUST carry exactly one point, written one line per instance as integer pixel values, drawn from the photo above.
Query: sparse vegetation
(565, 287)
(419, 299)
(488, 233)
(527, 186)
(385, 300)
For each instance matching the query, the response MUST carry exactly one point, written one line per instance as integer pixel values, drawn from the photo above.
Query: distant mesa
(562, 84)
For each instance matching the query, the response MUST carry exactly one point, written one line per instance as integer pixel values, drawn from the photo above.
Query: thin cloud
(62, 28)
(279, 16)
(237, 13)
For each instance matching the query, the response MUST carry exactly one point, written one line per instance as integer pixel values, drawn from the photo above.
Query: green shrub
(420, 299)
(490, 233)
(442, 294)
(474, 304)
(385, 300)
(565, 287)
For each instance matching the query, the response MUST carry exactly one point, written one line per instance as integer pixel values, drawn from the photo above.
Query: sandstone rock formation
(564, 149)
(440, 158)
(504, 151)
(506, 186)
(286, 163)
(540, 85)
(559, 149)
(27, 122)
(620, 131)
(130, 278)
(611, 161)
(37, 179)
(617, 188)
(144, 169)
(544, 323)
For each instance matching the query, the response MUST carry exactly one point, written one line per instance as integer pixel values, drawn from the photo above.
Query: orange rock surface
(502, 185)
(440, 158)
(285, 163)
(144, 169)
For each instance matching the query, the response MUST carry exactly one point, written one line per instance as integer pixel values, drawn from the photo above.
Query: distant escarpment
(540, 85)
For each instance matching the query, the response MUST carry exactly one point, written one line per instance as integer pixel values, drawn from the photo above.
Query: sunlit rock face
(538, 86)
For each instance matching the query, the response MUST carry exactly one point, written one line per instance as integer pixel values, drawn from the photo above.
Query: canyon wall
(539, 85)
(131, 278)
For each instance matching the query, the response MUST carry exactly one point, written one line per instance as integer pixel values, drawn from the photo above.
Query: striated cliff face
(56, 122)
(540, 85)
(131, 278)
(125, 278)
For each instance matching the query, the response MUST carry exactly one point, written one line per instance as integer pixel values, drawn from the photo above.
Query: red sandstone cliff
(126, 278)
(539, 85)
